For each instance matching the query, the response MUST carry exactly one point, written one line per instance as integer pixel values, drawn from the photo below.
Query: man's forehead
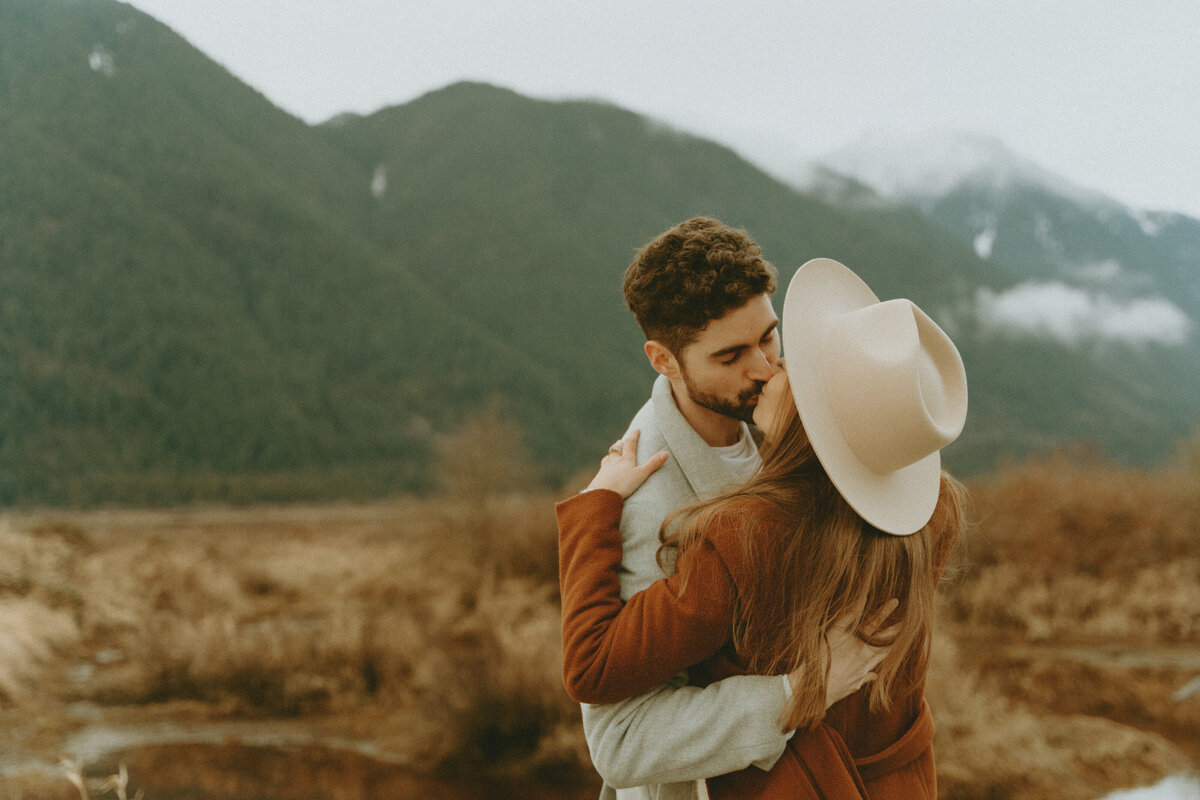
(742, 327)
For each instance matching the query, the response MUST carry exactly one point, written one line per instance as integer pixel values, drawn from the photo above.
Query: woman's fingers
(619, 470)
(623, 448)
(874, 626)
(653, 463)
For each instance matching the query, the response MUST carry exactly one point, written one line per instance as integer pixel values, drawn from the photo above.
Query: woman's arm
(612, 652)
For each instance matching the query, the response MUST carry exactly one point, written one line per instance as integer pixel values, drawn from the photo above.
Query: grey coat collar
(704, 470)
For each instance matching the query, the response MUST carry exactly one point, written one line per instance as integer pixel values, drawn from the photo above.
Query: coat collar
(704, 470)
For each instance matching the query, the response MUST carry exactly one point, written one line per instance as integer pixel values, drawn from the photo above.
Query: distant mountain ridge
(923, 166)
(204, 298)
(1038, 225)
(1116, 284)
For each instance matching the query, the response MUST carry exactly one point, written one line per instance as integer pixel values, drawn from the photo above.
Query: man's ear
(662, 359)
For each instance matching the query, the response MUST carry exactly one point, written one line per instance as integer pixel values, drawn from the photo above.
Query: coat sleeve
(612, 651)
(685, 733)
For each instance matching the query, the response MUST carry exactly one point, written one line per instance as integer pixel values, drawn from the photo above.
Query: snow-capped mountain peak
(1085, 268)
(916, 166)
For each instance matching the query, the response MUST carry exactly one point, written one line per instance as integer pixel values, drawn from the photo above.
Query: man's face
(726, 366)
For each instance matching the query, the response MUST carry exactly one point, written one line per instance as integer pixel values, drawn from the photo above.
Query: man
(701, 293)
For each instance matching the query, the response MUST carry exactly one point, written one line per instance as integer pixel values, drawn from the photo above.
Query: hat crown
(895, 382)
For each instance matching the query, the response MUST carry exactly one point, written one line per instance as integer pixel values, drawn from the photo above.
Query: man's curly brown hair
(694, 273)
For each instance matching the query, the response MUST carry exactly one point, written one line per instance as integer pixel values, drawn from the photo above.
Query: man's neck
(717, 430)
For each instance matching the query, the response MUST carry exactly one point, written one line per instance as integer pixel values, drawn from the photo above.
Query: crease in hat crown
(890, 375)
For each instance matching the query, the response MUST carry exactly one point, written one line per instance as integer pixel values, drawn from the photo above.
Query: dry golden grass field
(415, 642)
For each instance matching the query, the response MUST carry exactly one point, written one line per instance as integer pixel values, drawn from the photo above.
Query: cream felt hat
(880, 389)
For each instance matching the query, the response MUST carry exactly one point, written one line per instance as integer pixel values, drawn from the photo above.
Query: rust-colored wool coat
(612, 651)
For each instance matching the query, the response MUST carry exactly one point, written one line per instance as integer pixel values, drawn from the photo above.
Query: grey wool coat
(657, 745)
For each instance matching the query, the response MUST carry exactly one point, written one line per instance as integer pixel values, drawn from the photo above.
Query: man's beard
(738, 407)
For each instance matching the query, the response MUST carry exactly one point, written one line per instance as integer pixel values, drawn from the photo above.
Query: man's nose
(764, 366)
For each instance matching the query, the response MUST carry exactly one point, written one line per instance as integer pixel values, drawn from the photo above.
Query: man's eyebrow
(737, 348)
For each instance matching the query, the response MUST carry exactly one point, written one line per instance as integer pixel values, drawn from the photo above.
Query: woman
(850, 517)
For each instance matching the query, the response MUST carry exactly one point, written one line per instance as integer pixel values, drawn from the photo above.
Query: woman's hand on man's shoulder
(619, 470)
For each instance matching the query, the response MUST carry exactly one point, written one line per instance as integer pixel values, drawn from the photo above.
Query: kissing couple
(748, 581)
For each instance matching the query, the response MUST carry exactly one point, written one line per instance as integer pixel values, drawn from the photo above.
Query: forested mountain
(202, 297)
(186, 310)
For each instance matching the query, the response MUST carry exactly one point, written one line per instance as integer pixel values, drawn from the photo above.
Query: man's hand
(619, 470)
(851, 660)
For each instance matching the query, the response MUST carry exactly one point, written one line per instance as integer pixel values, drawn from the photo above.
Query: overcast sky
(1104, 92)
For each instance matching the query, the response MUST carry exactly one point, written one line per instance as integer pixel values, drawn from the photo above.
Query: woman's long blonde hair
(813, 560)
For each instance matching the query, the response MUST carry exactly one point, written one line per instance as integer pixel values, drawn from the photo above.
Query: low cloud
(1072, 315)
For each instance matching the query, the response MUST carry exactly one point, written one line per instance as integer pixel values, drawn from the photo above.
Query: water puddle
(1176, 787)
(241, 772)
(238, 771)
(1161, 657)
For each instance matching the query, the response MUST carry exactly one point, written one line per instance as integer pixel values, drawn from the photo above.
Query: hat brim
(898, 502)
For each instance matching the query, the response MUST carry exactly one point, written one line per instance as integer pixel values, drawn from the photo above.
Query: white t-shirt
(742, 456)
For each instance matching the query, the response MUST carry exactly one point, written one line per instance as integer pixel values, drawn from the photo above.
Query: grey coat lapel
(704, 470)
